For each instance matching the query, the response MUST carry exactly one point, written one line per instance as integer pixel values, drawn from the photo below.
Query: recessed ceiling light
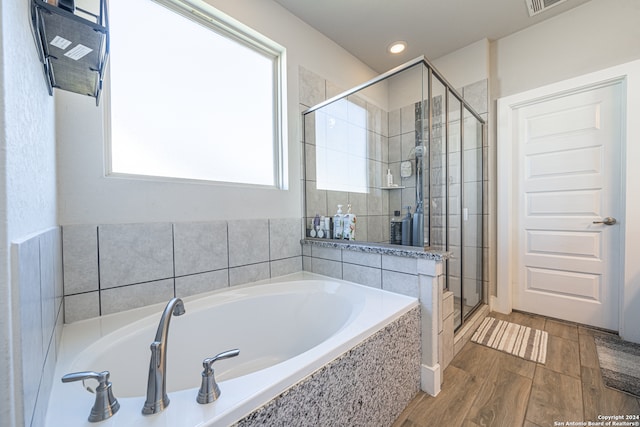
(397, 47)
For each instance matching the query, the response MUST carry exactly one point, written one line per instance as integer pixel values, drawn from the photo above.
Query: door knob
(606, 221)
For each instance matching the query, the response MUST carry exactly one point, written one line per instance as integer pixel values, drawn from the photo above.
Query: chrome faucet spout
(157, 398)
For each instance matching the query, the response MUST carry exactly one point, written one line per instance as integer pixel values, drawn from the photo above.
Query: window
(193, 95)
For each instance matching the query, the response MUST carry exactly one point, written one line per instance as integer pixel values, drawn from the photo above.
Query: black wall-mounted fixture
(73, 45)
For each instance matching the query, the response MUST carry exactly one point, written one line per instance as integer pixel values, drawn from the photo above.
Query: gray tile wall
(115, 267)
(37, 268)
(389, 272)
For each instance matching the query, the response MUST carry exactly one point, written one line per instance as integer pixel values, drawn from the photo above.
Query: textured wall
(27, 183)
(367, 386)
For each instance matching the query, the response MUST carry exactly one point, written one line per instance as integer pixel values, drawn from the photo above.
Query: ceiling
(432, 28)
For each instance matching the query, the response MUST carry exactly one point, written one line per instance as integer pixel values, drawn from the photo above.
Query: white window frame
(226, 26)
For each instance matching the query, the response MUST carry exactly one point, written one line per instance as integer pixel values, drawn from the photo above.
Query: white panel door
(567, 183)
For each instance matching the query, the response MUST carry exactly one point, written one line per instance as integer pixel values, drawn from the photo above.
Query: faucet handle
(209, 389)
(105, 404)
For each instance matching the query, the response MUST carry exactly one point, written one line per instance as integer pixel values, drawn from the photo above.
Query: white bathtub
(285, 331)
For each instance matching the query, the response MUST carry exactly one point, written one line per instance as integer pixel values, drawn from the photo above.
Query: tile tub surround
(115, 267)
(37, 268)
(368, 385)
(411, 271)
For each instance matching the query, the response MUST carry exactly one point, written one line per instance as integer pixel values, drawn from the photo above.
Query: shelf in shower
(399, 187)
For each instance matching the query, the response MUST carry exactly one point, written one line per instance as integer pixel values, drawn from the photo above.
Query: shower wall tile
(310, 162)
(395, 152)
(377, 119)
(248, 273)
(284, 238)
(248, 242)
(316, 200)
(311, 88)
(361, 228)
(476, 94)
(358, 203)
(123, 298)
(80, 263)
(408, 118)
(374, 201)
(394, 123)
(375, 229)
(135, 253)
(309, 127)
(200, 247)
(374, 146)
(202, 282)
(408, 145)
(81, 306)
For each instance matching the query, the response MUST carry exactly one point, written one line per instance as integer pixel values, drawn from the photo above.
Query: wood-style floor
(486, 387)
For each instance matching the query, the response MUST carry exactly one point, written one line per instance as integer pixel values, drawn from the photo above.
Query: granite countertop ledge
(379, 248)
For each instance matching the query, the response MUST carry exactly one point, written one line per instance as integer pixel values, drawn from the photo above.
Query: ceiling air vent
(538, 6)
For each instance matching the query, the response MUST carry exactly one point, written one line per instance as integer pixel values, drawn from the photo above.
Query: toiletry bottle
(395, 232)
(349, 225)
(406, 228)
(389, 178)
(312, 230)
(327, 227)
(337, 224)
(417, 238)
(322, 233)
(316, 226)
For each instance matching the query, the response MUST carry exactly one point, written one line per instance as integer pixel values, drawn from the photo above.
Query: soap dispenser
(349, 224)
(395, 232)
(406, 228)
(337, 223)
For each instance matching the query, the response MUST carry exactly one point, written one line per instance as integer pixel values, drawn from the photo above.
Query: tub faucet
(157, 398)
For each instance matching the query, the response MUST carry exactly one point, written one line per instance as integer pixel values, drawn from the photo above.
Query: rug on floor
(619, 363)
(521, 341)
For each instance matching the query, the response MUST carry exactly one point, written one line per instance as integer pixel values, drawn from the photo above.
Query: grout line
(99, 281)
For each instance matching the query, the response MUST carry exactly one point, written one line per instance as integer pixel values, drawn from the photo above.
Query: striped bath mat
(521, 341)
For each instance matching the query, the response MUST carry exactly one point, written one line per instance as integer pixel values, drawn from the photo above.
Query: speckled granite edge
(369, 385)
(379, 248)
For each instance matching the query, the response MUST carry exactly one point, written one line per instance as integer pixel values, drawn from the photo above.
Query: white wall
(27, 177)
(590, 37)
(87, 196)
(465, 66)
(595, 36)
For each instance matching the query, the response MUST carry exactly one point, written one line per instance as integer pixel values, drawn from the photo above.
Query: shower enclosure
(405, 152)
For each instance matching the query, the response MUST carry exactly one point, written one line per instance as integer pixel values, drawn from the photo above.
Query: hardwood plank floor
(486, 387)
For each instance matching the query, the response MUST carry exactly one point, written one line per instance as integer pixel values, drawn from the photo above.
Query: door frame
(629, 250)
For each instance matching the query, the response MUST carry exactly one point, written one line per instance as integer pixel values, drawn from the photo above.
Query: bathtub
(285, 331)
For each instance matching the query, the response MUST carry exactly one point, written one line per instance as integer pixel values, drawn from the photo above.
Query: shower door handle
(606, 221)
